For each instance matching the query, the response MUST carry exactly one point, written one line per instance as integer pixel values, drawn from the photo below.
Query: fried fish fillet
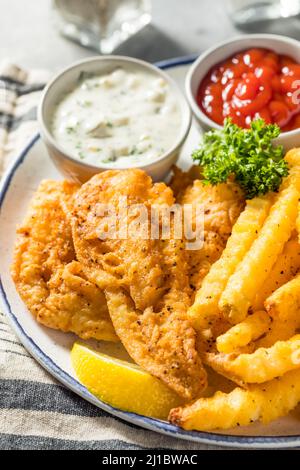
(46, 274)
(145, 279)
(181, 180)
(222, 205)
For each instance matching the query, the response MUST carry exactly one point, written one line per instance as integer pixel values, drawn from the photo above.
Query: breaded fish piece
(145, 280)
(222, 204)
(181, 180)
(45, 271)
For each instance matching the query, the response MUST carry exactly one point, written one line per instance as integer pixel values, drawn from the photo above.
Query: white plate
(52, 349)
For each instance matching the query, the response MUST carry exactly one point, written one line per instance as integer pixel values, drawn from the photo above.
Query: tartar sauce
(123, 118)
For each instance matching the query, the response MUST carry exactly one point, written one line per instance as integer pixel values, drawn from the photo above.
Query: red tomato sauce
(251, 84)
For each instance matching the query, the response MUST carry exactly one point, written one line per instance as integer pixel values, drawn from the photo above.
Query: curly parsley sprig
(249, 155)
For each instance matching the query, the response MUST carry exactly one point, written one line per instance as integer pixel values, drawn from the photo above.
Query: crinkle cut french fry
(283, 306)
(254, 269)
(263, 403)
(285, 268)
(293, 159)
(262, 365)
(279, 330)
(243, 333)
(284, 303)
(243, 234)
(206, 339)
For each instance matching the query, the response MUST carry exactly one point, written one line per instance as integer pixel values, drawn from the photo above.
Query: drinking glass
(101, 24)
(247, 12)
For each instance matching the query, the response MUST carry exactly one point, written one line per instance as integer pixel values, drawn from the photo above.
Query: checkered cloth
(36, 412)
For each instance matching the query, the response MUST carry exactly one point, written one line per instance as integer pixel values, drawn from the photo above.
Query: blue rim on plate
(133, 418)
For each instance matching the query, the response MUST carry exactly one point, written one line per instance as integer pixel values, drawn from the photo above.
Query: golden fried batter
(222, 205)
(46, 273)
(145, 280)
(181, 180)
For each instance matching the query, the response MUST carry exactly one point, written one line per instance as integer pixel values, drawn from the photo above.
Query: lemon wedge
(122, 384)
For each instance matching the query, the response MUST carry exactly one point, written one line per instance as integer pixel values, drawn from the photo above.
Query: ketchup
(251, 84)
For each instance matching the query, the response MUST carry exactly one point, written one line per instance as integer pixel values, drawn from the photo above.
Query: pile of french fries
(247, 313)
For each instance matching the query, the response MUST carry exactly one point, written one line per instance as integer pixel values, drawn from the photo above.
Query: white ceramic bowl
(280, 44)
(65, 80)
